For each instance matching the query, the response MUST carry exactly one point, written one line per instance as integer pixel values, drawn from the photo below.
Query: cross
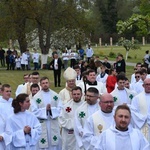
(115, 99)
(68, 109)
(38, 100)
(55, 138)
(82, 114)
(131, 96)
(55, 98)
(43, 141)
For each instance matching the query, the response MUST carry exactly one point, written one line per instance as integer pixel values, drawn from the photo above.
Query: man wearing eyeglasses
(136, 68)
(139, 85)
(137, 78)
(99, 121)
(35, 80)
(141, 103)
(90, 106)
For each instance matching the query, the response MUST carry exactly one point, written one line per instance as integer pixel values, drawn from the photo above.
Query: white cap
(70, 74)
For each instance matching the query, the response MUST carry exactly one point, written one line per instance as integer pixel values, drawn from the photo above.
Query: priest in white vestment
(99, 121)
(66, 119)
(70, 77)
(141, 103)
(91, 82)
(47, 105)
(121, 136)
(90, 106)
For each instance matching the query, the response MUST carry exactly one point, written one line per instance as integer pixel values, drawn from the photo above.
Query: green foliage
(112, 55)
(141, 22)
(129, 44)
(129, 57)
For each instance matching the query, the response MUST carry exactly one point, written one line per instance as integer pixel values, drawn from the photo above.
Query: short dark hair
(126, 79)
(5, 86)
(93, 90)
(19, 99)
(44, 78)
(139, 63)
(76, 67)
(35, 85)
(35, 73)
(76, 88)
(143, 71)
(90, 70)
(120, 77)
(123, 106)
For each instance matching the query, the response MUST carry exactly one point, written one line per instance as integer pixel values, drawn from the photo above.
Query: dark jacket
(59, 64)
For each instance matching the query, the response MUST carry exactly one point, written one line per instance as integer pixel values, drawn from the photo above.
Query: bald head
(146, 85)
(106, 102)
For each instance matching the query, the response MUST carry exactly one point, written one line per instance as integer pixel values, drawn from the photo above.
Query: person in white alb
(23, 126)
(138, 86)
(121, 94)
(35, 58)
(66, 119)
(90, 106)
(46, 106)
(91, 82)
(141, 103)
(121, 136)
(98, 122)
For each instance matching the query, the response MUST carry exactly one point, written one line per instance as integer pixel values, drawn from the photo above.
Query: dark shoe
(59, 85)
(55, 85)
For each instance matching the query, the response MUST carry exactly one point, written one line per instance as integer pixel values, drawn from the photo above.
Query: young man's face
(122, 119)
(121, 84)
(6, 93)
(92, 77)
(76, 95)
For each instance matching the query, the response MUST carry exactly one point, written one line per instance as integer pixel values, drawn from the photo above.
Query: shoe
(59, 85)
(55, 85)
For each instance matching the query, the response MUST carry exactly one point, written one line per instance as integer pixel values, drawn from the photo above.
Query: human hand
(1, 138)
(48, 107)
(27, 129)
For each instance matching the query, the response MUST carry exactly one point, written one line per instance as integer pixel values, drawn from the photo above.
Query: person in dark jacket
(56, 65)
(120, 64)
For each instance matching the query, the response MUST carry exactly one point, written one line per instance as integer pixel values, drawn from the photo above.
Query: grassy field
(14, 78)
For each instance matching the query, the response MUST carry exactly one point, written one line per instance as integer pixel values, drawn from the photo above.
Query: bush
(129, 57)
(112, 55)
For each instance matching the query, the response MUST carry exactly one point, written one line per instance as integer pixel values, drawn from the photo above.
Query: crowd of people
(12, 60)
(97, 108)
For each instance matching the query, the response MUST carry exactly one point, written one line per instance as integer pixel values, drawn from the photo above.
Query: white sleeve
(88, 134)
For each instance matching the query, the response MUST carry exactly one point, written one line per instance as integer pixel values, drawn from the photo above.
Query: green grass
(14, 78)
(136, 55)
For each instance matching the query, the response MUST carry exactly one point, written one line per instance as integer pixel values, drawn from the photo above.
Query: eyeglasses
(135, 69)
(35, 77)
(147, 84)
(137, 76)
(107, 102)
(90, 96)
(8, 91)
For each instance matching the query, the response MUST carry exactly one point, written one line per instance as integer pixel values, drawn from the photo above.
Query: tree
(140, 21)
(128, 44)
